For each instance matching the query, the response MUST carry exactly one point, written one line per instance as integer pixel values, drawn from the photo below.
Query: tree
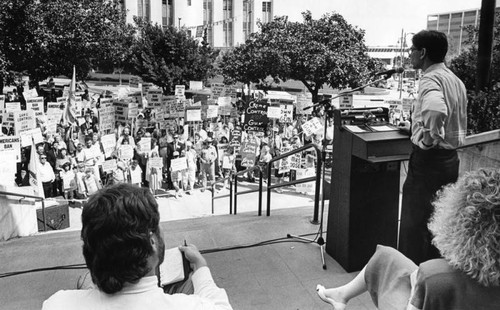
(316, 52)
(167, 56)
(46, 38)
(483, 109)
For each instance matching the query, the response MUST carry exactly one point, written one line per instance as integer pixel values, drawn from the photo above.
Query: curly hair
(466, 225)
(117, 225)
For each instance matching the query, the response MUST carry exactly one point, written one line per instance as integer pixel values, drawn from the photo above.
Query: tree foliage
(167, 56)
(46, 38)
(316, 52)
(483, 109)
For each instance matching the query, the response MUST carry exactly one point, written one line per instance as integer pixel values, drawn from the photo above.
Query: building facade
(228, 23)
(454, 24)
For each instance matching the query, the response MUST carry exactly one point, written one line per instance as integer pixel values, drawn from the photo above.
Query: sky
(382, 20)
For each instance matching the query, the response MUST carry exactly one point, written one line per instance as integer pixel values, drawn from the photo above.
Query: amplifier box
(57, 217)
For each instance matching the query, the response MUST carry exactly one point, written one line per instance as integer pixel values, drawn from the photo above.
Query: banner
(255, 116)
(178, 164)
(31, 136)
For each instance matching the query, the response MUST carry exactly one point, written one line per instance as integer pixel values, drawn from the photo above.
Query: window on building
(266, 11)
(189, 2)
(227, 28)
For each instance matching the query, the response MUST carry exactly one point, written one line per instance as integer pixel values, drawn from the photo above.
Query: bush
(483, 111)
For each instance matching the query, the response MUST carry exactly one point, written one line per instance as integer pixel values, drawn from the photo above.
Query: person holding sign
(228, 165)
(176, 177)
(191, 158)
(207, 162)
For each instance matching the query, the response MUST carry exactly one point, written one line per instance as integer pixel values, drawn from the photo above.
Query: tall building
(228, 23)
(454, 25)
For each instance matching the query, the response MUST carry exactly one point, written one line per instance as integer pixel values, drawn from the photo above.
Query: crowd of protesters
(70, 161)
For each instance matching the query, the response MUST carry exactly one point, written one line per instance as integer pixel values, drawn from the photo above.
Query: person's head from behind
(466, 225)
(428, 45)
(122, 242)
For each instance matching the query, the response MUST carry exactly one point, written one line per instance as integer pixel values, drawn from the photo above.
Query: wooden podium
(364, 197)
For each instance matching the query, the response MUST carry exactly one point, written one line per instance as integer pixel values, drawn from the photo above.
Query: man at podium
(438, 127)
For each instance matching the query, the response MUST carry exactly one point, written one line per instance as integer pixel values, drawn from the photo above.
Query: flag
(68, 116)
(33, 171)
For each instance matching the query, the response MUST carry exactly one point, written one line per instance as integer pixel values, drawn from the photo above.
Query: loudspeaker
(57, 217)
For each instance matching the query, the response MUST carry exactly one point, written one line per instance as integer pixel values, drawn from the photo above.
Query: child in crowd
(191, 158)
(91, 182)
(228, 165)
(176, 177)
(81, 192)
(154, 175)
(135, 173)
(68, 182)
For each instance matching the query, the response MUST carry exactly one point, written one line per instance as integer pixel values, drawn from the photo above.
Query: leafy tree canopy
(46, 38)
(315, 52)
(167, 56)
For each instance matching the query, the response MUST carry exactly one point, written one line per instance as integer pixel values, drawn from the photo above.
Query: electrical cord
(214, 250)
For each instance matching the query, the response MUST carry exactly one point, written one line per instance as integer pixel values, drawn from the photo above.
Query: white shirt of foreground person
(145, 295)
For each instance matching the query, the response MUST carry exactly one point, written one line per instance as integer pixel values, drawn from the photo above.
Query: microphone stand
(319, 238)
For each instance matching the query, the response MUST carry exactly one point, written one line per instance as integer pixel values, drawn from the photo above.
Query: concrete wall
(481, 151)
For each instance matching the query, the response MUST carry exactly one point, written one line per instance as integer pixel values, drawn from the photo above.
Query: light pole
(180, 23)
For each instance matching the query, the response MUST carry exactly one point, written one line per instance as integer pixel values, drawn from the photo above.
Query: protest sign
(212, 111)
(126, 151)
(286, 113)
(193, 115)
(284, 164)
(106, 118)
(312, 126)
(144, 144)
(108, 144)
(296, 161)
(36, 104)
(273, 112)
(156, 162)
(255, 116)
(12, 106)
(235, 141)
(180, 90)
(28, 136)
(11, 145)
(345, 102)
(407, 104)
(195, 85)
(2, 102)
(109, 165)
(221, 148)
(178, 164)
(306, 188)
(154, 97)
(24, 120)
(227, 163)
(248, 154)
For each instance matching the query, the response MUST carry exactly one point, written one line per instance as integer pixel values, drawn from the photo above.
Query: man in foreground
(123, 246)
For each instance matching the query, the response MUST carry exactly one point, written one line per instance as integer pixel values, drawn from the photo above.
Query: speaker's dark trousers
(428, 171)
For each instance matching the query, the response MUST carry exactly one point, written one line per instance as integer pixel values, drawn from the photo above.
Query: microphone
(375, 110)
(388, 73)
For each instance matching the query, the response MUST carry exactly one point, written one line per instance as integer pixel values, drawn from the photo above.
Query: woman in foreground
(466, 230)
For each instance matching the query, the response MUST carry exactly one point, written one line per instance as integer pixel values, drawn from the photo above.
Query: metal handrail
(33, 197)
(230, 195)
(248, 191)
(317, 178)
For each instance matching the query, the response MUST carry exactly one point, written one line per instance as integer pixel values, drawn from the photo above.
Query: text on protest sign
(180, 90)
(108, 144)
(274, 112)
(312, 126)
(156, 162)
(144, 144)
(255, 116)
(109, 165)
(178, 164)
(248, 154)
(10, 145)
(126, 151)
(193, 115)
(212, 111)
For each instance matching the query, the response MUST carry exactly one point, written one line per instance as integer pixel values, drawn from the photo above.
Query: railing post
(260, 192)
(268, 206)
(43, 216)
(213, 190)
(318, 189)
(231, 193)
(235, 193)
